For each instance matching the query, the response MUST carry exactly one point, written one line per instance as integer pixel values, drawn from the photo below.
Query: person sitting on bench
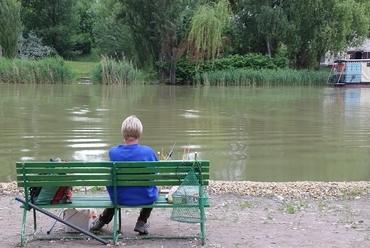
(130, 150)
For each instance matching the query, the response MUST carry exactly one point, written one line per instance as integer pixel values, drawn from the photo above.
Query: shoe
(142, 228)
(97, 225)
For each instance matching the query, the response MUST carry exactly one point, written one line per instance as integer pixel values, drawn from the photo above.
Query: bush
(32, 48)
(186, 70)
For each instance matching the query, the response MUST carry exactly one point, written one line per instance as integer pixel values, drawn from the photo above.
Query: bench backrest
(72, 173)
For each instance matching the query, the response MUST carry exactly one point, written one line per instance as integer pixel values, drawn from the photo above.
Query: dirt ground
(232, 221)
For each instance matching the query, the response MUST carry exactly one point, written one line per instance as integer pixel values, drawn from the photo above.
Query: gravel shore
(304, 190)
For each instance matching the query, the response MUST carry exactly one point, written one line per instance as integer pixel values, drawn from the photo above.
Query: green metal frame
(159, 173)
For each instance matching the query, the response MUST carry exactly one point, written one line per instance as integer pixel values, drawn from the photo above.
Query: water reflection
(257, 134)
(90, 155)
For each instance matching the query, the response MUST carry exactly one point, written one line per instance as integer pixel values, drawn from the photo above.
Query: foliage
(112, 37)
(10, 27)
(32, 48)
(186, 70)
(94, 56)
(206, 33)
(308, 29)
(272, 24)
(263, 77)
(158, 35)
(111, 71)
(55, 22)
(84, 35)
(83, 43)
(45, 71)
(158, 30)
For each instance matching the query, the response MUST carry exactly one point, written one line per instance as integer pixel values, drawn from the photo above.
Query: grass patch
(81, 69)
(290, 209)
(245, 205)
(353, 193)
(322, 206)
(83, 65)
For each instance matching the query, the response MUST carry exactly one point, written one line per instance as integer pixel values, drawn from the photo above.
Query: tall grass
(263, 77)
(47, 71)
(110, 71)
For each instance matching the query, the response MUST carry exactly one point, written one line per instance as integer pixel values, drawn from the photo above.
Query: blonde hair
(131, 128)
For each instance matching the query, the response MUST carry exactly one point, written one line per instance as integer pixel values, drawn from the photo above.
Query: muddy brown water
(260, 134)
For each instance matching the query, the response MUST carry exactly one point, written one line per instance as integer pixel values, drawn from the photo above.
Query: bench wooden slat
(69, 177)
(103, 201)
(71, 170)
(65, 183)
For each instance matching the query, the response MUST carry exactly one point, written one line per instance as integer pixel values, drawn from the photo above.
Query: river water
(272, 134)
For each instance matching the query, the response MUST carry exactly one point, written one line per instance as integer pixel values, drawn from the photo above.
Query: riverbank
(242, 214)
(303, 190)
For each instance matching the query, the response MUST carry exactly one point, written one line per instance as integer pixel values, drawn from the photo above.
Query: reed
(46, 71)
(110, 71)
(263, 77)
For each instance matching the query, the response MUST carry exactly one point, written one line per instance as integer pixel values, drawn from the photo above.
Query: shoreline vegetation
(45, 71)
(109, 71)
(293, 190)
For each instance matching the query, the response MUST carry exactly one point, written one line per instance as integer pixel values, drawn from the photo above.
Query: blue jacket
(133, 195)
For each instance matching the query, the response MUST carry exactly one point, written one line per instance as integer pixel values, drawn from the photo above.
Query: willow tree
(206, 38)
(10, 27)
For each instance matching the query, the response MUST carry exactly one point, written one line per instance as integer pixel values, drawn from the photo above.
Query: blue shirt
(133, 195)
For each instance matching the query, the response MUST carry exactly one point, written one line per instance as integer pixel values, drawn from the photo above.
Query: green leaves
(206, 33)
(10, 27)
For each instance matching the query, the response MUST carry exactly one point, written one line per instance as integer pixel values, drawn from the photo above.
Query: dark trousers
(108, 214)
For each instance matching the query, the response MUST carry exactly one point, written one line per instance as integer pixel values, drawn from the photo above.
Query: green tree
(244, 34)
(84, 34)
(112, 36)
(10, 27)
(56, 22)
(308, 29)
(272, 25)
(150, 32)
(324, 25)
(206, 34)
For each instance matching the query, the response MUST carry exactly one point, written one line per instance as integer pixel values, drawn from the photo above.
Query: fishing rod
(171, 151)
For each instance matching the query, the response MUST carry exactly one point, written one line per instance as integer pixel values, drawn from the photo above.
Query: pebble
(302, 189)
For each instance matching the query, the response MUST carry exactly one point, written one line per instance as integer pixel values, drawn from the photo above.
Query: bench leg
(34, 221)
(202, 219)
(119, 221)
(24, 224)
(202, 229)
(115, 234)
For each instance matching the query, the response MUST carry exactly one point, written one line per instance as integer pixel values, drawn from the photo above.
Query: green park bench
(189, 201)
